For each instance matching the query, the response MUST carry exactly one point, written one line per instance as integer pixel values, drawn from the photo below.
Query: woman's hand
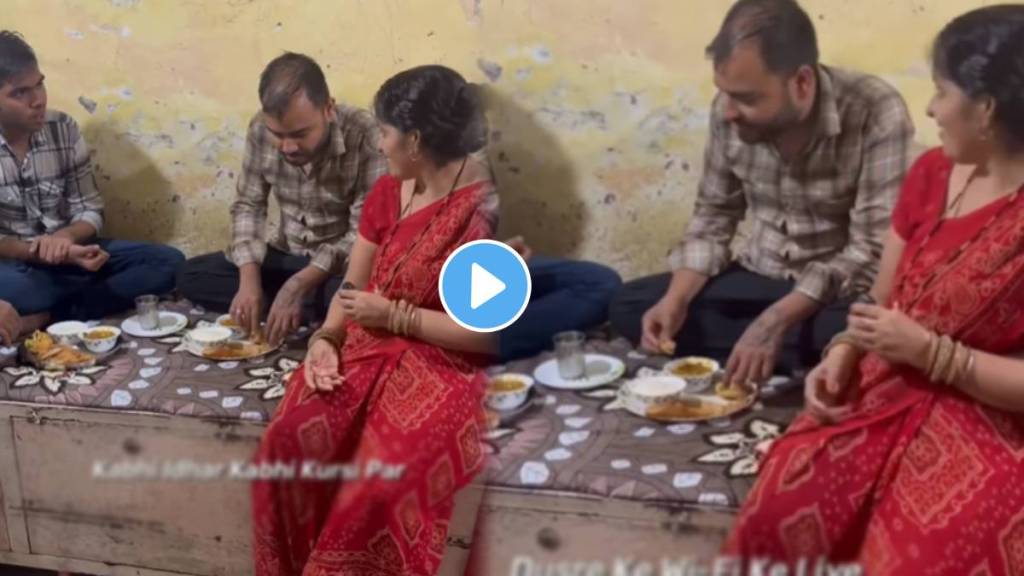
(322, 367)
(368, 309)
(889, 333)
(827, 385)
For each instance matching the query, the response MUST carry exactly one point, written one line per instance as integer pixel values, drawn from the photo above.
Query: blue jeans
(71, 293)
(566, 295)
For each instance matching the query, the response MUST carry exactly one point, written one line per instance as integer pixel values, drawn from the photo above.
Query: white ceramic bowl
(695, 382)
(199, 339)
(641, 394)
(67, 332)
(508, 399)
(100, 345)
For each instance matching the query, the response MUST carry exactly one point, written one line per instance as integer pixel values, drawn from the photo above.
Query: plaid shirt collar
(829, 122)
(335, 145)
(37, 140)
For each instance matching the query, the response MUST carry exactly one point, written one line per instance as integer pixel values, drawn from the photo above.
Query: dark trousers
(212, 281)
(71, 293)
(721, 312)
(566, 295)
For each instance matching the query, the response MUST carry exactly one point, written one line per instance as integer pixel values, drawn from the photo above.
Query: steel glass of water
(572, 363)
(148, 312)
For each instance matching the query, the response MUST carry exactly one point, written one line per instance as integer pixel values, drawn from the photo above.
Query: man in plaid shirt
(53, 264)
(813, 156)
(319, 159)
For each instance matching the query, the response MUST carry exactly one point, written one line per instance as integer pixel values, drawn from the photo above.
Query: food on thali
(47, 353)
(229, 322)
(667, 347)
(732, 390)
(688, 408)
(235, 350)
(693, 369)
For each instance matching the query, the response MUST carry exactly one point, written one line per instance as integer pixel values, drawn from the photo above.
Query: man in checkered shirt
(319, 159)
(813, 157)
(53, 263)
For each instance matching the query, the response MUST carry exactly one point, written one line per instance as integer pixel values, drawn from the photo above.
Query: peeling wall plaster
(599, 107)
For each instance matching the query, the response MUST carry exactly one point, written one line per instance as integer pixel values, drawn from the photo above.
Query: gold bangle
(933, 353)
(946, 351)
(400, 324)
(935, 366)
(324, 334)
(956, 366)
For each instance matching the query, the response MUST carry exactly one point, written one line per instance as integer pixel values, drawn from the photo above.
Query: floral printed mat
(581, 442)
(158, 375)
(585, 442)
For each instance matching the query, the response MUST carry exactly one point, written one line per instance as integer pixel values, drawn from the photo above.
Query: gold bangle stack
(949, 361)
(403, 318)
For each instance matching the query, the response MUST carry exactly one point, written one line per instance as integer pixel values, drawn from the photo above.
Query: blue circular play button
(485, 286)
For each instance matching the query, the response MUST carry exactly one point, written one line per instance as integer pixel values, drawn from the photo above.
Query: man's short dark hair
(783, 30)
(287, 75)
(16, 56)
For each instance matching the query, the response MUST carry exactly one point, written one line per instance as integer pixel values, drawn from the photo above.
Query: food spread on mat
(46, 353)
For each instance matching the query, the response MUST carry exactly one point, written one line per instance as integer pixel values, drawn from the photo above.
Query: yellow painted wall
(599, 106)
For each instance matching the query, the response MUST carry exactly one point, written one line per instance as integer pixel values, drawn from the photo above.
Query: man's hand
(755, 355)
(660, 325)
(90, 258)
(10, 323)
(247, 306)
(518, 243)
(51, 249)
(285, 315)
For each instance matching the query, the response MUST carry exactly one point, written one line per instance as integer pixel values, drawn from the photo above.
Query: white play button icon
(483, 286)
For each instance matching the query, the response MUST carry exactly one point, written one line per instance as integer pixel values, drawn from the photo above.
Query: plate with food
(101, 340)
(508, 391)
(222, 344)
(46, 353)
(226, 321)
(698, 371)
(599, 370)
(508, 396)
(170, 323)
(666, 398)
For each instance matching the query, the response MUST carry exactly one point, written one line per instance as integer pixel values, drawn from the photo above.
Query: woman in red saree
(385, 384)
(898, 466)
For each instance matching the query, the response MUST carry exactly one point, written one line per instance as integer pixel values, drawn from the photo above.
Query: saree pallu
(920, 479)
(403, 403)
